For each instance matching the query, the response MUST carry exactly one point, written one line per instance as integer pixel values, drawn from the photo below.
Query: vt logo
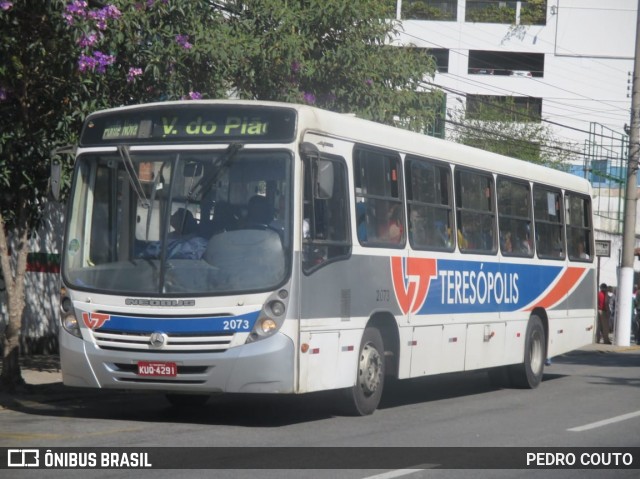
(411, 277)
(95, 320)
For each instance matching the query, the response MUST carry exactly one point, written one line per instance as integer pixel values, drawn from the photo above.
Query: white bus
(258, 247)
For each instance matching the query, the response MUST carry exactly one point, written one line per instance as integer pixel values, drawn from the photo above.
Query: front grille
(175, 343)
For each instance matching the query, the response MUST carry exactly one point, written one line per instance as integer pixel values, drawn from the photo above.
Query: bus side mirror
(323, 171)
(56, 177)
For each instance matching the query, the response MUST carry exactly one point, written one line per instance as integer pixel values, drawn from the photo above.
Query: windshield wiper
(133, 177)
(219, 164)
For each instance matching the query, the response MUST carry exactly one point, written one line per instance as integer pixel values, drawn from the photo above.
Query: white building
(572, 68)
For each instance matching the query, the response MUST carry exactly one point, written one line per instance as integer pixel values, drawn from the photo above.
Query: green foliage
(61, 60)
(502, 127)
(490, 13)
(331, 53)
(532, 12)
(38, 104)
(423, 10)
(64, 59)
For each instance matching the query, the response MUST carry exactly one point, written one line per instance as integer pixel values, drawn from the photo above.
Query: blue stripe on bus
(216, 324)
(476, 287)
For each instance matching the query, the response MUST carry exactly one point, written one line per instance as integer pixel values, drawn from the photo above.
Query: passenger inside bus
(183, 223)
(223, 220)
(361, 220)
(259, 211)
(393, 230)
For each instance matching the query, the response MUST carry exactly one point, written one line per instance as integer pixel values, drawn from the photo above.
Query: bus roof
(349, 127)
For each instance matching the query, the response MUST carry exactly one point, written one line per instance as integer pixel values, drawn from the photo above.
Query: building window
(510, 12)
(436, 10)
(520, 109)
(515, 64)
(441, 56)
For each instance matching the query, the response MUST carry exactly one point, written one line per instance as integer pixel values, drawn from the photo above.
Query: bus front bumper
(266, 366)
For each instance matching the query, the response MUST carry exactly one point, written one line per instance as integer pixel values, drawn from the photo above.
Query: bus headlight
(69, 320)
(267, 325)
(270, 319)
(70, 324)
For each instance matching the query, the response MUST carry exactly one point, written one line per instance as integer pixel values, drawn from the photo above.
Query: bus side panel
(453, 347)
(515, 332)
(485, 345)
(331, 360)
(567, 334)
(426, 350)
(577, 327)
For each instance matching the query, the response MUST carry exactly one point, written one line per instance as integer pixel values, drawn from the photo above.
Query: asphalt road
(589, 399)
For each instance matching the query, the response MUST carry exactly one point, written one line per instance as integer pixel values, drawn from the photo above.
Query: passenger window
(547, 212)
(579, 229)
(476, 218)
(514, 218)
(325, 229)
(379, 206)
(429, 204)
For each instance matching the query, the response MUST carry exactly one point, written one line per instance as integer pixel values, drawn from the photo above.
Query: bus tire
(528, 374)
(363, 398)
(185, 401)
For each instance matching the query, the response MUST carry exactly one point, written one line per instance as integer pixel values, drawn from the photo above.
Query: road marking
(396, 473)
(605, 422)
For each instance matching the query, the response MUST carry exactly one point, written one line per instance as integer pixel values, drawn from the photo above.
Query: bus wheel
(363, 398)
(529, 374)
(184, 401)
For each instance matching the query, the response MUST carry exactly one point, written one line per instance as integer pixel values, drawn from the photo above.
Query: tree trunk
(11, 376)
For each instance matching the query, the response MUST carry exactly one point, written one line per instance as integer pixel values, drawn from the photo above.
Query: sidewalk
(41, 370)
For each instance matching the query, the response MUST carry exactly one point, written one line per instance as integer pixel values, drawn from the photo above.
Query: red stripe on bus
(568, 280)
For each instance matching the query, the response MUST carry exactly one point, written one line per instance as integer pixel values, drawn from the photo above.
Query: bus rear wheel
(363, 398)
(528, 374)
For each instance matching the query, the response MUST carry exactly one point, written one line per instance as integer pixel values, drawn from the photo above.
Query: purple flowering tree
(38, 111)
(71, 57)
(68, 58)
(133, 51)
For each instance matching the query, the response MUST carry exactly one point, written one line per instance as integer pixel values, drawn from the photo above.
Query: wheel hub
(370, 369)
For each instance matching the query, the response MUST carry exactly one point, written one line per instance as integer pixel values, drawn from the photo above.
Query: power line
(616, 108)
(465, 95)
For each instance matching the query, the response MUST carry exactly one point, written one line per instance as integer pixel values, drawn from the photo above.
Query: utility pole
(625, 295)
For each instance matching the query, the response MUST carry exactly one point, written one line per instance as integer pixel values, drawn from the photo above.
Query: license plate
(157, 368)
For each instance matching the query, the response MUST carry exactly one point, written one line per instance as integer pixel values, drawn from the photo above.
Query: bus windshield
(180, 222)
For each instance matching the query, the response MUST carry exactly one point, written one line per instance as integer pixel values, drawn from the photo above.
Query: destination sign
(192, 123)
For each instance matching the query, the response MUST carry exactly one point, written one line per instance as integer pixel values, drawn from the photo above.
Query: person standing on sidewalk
(611, 299)
(603, 315)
